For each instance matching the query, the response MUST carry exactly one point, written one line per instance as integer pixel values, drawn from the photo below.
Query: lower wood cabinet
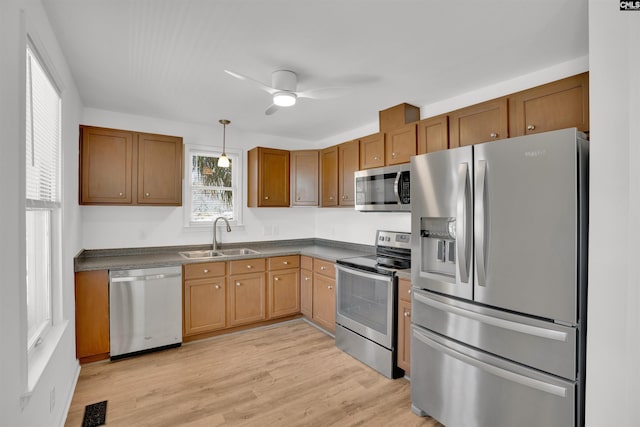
(284, 292)
(92, 315)
(306, 286)
(204, 297)
(247, 299)
(324, 294)
(404, 325)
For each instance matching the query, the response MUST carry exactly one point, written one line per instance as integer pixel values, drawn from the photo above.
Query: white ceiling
(165, 58)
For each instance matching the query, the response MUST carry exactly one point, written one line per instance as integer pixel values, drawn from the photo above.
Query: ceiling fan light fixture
(284, 99)
(223, 160)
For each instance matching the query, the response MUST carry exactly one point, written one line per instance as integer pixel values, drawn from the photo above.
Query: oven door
(364, 304)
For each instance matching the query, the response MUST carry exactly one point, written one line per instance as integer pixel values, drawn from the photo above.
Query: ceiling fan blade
(272, 109)
(323, 93)
(261, 85)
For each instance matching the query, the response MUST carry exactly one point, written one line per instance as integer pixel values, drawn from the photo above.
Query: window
(43, 122)
(212, 191)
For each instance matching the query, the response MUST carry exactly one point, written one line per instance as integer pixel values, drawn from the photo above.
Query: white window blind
(43, 118)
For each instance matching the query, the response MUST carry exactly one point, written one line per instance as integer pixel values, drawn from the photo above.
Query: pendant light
(223, 160)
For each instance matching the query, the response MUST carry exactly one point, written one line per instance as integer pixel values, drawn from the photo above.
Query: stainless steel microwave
(385, 189)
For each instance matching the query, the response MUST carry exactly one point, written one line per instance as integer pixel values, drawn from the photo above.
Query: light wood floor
(286, 375)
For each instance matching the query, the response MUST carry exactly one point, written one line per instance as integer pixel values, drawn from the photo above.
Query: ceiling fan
(283, 89)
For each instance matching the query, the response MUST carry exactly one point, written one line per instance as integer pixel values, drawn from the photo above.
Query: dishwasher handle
(147, 277)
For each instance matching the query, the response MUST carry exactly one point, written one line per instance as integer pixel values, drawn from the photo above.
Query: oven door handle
(365, 274)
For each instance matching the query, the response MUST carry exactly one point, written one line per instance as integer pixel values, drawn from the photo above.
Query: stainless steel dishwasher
(145, 310)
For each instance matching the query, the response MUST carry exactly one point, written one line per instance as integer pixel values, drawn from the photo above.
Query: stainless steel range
(366, 302)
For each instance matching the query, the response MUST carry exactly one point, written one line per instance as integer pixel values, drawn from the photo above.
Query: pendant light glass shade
(223, 160)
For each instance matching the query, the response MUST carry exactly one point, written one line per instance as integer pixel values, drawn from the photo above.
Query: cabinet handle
(205, 271)
(285, 262)
(121, 194)
(531, 127)
(306, 278)
(276, 278)
(376, 158)
(407, 314)
(217, 286)
(493, 135)
(323, 268)
(238, 283)
(409, 291)
(249, 266)
(266, 197)
(298, 198)
(147, 194)
(330, 197)
(329, 287)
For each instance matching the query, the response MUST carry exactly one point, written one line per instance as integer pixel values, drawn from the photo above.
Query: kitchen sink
(237, 251)
(200, 254)
(217, 253)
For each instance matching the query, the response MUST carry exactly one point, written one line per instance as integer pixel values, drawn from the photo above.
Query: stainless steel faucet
(215, 243)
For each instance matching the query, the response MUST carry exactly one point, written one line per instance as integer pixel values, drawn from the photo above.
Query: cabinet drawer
(306, 262)
(326, 268)
(283, 262)
(404, 290)
(203, 270)
(243, 266)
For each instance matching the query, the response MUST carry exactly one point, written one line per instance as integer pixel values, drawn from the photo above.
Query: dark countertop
(133, 258)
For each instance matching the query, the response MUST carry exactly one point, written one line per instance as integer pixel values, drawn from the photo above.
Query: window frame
(53, 207)
(236, 183)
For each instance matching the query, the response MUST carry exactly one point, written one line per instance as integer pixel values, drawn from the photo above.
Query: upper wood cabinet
(557, 105)
(348, 164)
(329, 176)
(268, 178)
(372, 151)
(119, 167)
(478, 123)
(304, 178)
(401, 144)
(159, 170)
(433, 134)
(92, 315)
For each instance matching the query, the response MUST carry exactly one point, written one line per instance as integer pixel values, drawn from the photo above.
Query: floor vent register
(95, 414)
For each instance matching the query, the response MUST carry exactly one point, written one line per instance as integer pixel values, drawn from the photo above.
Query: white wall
(613, 346)
(60, 373)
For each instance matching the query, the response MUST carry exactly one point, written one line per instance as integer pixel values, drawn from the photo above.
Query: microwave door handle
(463, 222)
(396, 187)
(481, 223)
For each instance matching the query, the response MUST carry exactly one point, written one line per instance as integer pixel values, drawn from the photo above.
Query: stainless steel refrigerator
(499, 282)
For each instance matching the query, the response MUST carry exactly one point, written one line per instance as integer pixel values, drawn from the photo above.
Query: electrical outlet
(52, 399)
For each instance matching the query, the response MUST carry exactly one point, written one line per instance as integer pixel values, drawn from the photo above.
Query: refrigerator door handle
(494, 321)
(492, 369)
(480, 222)
(463, 221)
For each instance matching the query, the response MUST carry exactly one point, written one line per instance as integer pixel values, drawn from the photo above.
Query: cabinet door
(348, 164)
(284, 292)
(159, 170)
(204, 305)
(433, 134)
(404, 335)
(401, 144)
(92, 315)
(372, 151)
(306, 293)
(557, 105)
(247, 302)
(479, 123)
(304, 178)
(324, 302)
(274, 178)
(105, 166)
(329, 176)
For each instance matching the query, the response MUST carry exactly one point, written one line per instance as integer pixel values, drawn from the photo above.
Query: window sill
(40, 357)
